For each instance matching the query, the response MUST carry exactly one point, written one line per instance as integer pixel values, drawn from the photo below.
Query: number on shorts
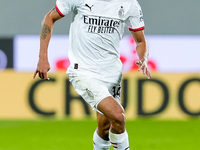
(116, 91)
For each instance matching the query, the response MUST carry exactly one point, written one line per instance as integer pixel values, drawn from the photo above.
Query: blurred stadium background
(162, 113)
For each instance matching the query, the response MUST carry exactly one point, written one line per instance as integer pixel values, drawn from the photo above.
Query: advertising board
(165, 96)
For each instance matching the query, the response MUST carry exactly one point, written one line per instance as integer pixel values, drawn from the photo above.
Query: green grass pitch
(144, 134)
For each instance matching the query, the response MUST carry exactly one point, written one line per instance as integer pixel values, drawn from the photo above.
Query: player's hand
(142, 66)
(42, 68)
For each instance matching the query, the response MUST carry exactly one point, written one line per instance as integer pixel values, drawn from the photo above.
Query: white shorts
(94, 90)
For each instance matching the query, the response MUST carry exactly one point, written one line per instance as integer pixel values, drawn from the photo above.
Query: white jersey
(95, 34)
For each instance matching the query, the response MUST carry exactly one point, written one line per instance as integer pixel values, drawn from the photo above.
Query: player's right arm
(47, 28)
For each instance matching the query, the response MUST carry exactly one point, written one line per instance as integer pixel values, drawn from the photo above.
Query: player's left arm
(142, 51)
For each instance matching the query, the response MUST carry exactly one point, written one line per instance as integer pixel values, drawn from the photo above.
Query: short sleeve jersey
(95, 33)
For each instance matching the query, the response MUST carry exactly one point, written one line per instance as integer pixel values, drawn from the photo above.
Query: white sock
(119, 141)
(99, 143)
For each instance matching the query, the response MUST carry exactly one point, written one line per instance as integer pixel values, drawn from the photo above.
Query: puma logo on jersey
(89, 6)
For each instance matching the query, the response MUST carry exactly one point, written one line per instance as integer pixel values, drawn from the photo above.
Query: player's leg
(100, 138)
(114, 112)
(103, 126)
(93, 91)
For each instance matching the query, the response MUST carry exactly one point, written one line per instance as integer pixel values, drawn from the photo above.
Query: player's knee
(118, 123)
(119, 118)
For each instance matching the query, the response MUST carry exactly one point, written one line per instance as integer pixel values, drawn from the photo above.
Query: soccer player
(95, 68)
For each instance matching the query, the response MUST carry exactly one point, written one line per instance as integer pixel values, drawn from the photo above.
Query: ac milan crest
(121, 12)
